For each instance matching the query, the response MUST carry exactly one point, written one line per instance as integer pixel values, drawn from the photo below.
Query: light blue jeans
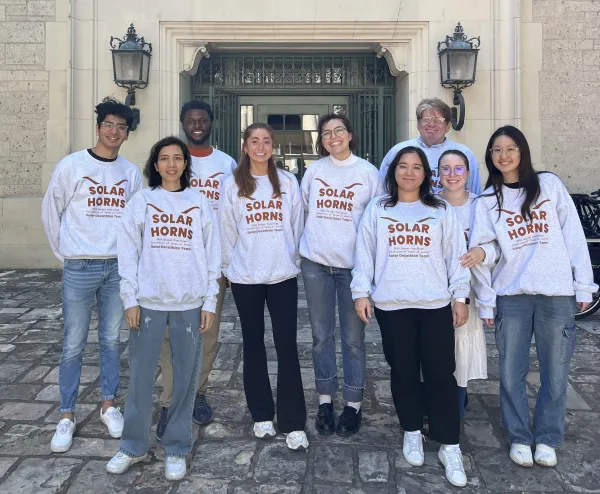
(186, 356)
(83, 281)
(552, 321)
(322, 283)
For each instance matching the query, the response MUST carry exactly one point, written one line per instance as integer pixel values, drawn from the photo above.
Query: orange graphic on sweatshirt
(520, 227)
(405, 233)
(106, 196)
(209, 186)
(178, 225)
(334, 198)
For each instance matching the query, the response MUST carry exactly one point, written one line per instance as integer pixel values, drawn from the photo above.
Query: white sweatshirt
(260, 235)
(169, 252)
(209, 173)
(84, 203)
(433, 154)
(546, 256)
(335, 195)
(407, 256)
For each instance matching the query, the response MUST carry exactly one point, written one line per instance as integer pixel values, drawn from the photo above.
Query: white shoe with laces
(413, 448)
(264, 430)
(113, 419)
(296, 440)
(451, 457)
(175, 467)
(545, 455)
(521, 455)
(63, 437)
(121, 462)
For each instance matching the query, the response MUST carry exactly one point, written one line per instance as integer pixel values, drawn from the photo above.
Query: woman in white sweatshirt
(543, 269)
(407, 259)
(169, 262)
(261, 221)
(335, 193)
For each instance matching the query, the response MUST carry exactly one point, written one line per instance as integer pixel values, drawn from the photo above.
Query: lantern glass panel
(127, 66)
(145, 67)
(461, 65)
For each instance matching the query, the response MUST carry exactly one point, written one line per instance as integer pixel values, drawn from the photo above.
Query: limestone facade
(538, 68)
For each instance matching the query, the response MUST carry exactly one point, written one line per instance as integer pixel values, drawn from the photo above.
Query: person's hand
(460, 314)
(362, 306)
(488, 322)
(132, 316)
(472, 257)
(583, 306)
(206, 320)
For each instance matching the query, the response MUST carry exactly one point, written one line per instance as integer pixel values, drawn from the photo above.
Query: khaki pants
(209, 353)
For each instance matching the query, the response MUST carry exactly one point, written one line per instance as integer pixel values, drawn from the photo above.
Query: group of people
(417, 238)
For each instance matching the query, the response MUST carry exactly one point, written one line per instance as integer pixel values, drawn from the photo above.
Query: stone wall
(570, 90)
(23, 95)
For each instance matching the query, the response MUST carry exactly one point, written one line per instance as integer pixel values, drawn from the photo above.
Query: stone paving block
(24, 410)
(19, 391)
(219, 378)
(35, 374)
(82, 412)
(229, 461)
(94, 474)
(39, 336)
(27, 440)
(218, 430)
(481, 433)
(383, 392)
(37, 314)
(10, 371)
(40, 476)
(88, 374)
(373, 466)
(88, 446)
(6, 348)
(27, 352)
(334, 464)
(579, 470)
(267, 489)
(500, 474)
(226, 356)
(13, 310)
(203, 486)
(151, 479)
(52, 393)
(279, 465)
(5, 464)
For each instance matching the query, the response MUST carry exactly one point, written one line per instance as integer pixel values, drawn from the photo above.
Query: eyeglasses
(437, 120)
(497, 152)
(121, 128)
(458, 170)
(338, 131)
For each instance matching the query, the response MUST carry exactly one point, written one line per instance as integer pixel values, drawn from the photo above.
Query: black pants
(414, 338)
(282, 302)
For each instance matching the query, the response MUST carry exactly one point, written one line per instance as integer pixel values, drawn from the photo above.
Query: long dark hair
(425, 192)
(528, 178)
(324, 120)
(243, 178)
(150, 172)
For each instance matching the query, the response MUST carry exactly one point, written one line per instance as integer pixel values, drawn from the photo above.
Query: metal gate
(225, 106)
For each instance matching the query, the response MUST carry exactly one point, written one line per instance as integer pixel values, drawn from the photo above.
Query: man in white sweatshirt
(81, 212)
(210, 168)
(434, 121)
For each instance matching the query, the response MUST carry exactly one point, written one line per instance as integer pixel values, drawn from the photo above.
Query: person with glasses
(81, 212)
(434, 119)
(335, 192)
(543, 270)
(469, 339)
(407, 260)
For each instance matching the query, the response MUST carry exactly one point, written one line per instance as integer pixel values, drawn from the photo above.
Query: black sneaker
(349, 422)
(324, 423)
(162, 423)
(203, 414)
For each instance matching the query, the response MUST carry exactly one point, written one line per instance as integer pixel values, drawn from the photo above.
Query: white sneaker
(413, 448)
(451, 457)
(264, 430)
(121, 462)
(521, 455)
(63, 437)
(175, 468)
(113, 419)
(296, 440)
(545, 455)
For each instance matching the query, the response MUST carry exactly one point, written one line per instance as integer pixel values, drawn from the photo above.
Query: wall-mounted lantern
(131, 66)
(458, 65)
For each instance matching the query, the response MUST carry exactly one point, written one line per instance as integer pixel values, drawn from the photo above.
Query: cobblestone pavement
(226, 457)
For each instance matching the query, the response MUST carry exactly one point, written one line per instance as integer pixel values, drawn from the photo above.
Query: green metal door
(226, 109)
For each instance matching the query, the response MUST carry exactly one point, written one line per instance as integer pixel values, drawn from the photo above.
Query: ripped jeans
(186, 356)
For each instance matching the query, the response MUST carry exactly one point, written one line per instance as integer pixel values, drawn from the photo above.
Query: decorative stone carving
(192, 54)
(396, 56)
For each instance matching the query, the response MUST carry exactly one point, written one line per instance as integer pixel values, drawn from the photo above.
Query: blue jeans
(322, 283)
(186, 355)
(552, 321)
(83, 281)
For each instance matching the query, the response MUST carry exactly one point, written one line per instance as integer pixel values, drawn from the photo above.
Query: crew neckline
(343, 163)
(100, 158)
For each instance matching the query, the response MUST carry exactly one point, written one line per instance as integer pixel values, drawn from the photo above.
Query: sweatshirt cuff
(210, 305)
(460, 293)
(583, 296)
(486, 313)
(357, 295)
(130, 301)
